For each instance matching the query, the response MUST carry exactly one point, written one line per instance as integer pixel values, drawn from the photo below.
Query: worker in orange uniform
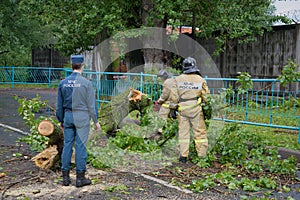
(192, 90)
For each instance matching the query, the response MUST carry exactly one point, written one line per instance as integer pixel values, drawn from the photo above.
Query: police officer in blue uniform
(75, 109)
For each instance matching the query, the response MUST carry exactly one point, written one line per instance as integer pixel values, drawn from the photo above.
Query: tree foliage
(234, 19)
(19, 33)
(289, 73)
(76, 26)
(82, 24)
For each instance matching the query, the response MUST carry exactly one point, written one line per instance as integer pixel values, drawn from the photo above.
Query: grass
(276, 137)
(276, 117)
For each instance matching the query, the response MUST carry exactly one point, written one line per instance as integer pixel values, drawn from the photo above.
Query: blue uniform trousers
(76, 129)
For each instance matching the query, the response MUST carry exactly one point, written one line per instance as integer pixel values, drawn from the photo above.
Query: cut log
(47, 158)
(135, 95)
(46, 128)
(138, 101)
(53, 132)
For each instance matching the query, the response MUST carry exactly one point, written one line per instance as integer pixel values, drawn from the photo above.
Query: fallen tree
(112, 116)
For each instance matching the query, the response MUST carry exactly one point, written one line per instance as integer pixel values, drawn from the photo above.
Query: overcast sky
(291, 8)
(286, 5)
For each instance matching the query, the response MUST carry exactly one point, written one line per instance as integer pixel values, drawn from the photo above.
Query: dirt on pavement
(21, 179)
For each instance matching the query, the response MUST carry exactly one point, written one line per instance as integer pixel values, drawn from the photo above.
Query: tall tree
(82, 24)
(234, 19)
(19, 33)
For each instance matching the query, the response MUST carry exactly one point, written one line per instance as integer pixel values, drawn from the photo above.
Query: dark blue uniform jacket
(76, 93)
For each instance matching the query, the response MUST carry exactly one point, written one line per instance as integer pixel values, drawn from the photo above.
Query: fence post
(98, 89)
(141, 82)
(13, 77)
(247, 106)
(299, 129)
(49, 77)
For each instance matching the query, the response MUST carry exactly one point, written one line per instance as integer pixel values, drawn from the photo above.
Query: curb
(14, 129)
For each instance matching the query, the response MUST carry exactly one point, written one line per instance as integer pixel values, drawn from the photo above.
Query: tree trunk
(112, 115)
(153, 40)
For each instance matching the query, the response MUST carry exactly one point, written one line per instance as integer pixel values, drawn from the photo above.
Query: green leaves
(289, 73)
(133, 143)
(20, 32)
(80, 25)
(27, 109)
(234, 20)
(207, 108)
(84, 23)
(229, 180)
(231, 146)
(245, 82)
(122, 188)
(201, 184)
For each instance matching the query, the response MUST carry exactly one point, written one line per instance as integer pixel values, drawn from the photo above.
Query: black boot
(183, 159)
(66, 178)
(81, 180)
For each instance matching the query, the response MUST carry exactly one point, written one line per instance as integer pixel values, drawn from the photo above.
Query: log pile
(52, 153)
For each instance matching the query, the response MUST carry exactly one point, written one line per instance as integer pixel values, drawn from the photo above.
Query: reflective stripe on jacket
(180, 108)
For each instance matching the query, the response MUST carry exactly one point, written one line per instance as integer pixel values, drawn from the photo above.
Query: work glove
(173, 113)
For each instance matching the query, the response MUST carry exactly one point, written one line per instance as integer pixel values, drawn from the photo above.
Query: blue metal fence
(268, 104)
(31, 75)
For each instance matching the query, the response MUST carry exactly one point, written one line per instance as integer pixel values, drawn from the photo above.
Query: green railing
(268, 104)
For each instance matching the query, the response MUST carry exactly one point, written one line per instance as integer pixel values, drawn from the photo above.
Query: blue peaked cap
(77, 59)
